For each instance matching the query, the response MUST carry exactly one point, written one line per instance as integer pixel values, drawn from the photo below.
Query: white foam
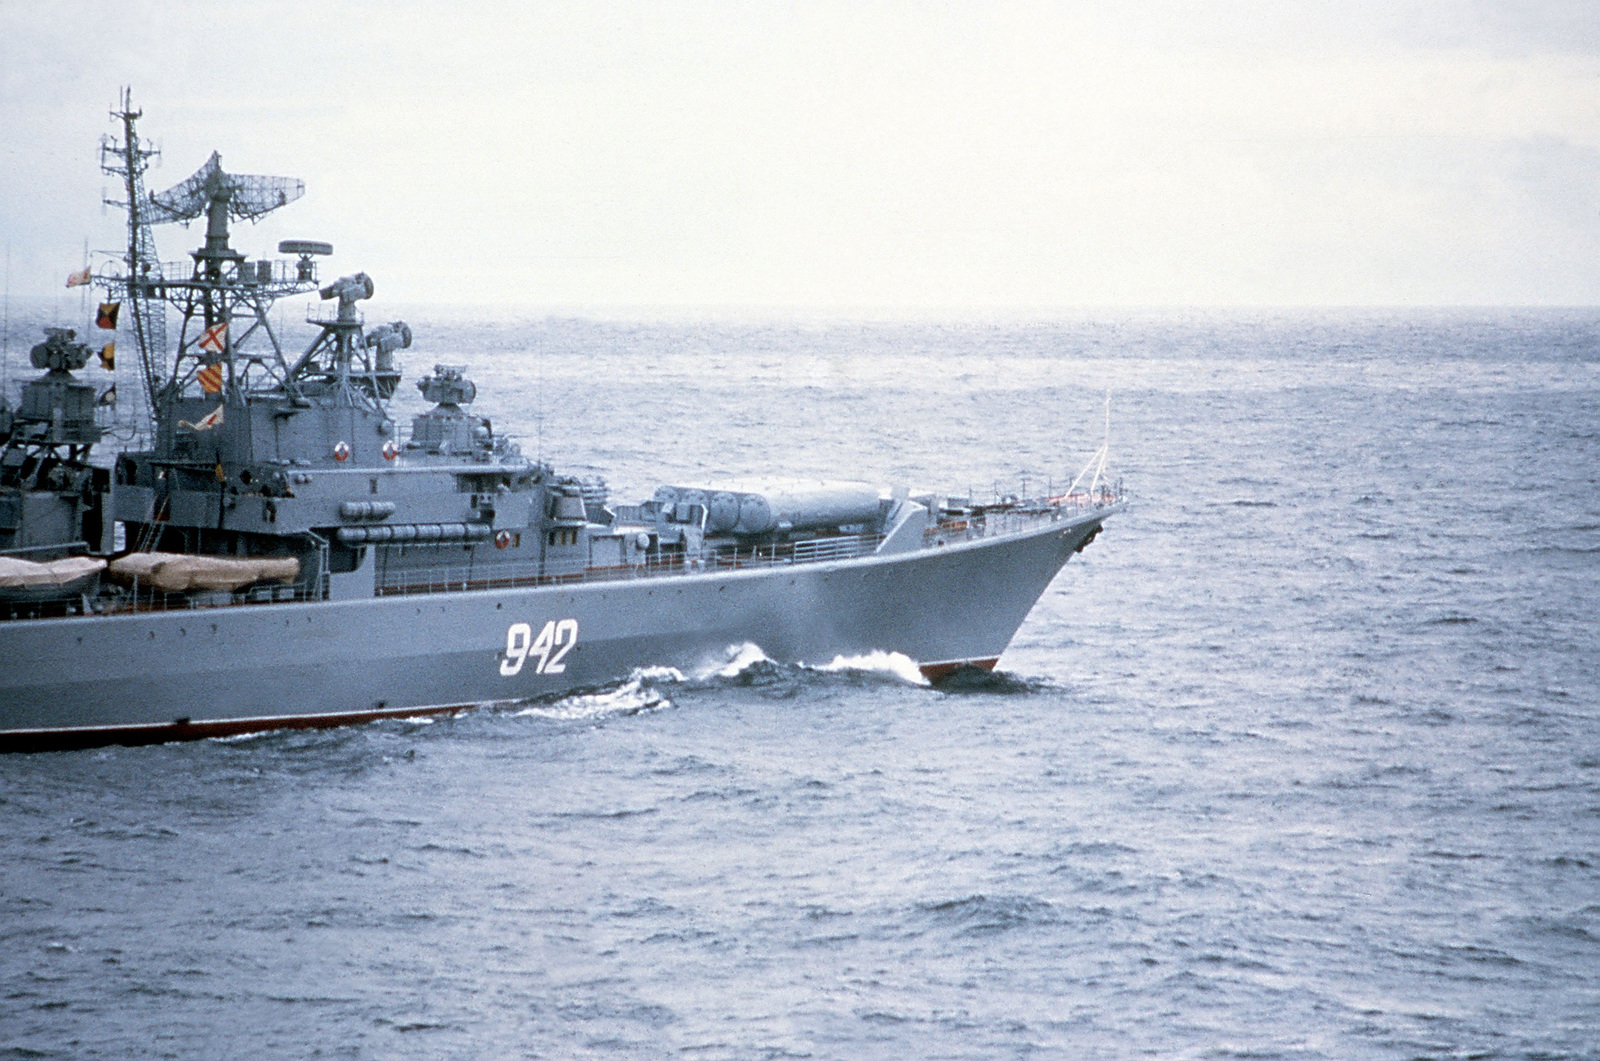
(657, 674)
(635, 694)
(734, 661)
(897, 664)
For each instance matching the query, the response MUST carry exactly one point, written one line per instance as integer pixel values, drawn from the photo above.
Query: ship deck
(988, 522)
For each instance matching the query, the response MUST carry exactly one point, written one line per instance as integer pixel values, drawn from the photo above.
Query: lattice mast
(226, 346)
(139, 286)
(222, 287)
(222, 298)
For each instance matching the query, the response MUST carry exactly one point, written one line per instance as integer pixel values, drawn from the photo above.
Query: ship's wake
(736, 660)
(896, 664)
(638, 694)
(747, 663)
(744, 665)
(747, 666)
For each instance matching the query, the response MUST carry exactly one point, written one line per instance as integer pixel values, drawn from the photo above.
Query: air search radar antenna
(213, 192)
(221, 197)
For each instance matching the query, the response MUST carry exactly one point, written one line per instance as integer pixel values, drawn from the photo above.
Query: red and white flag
(206, 422)
(214, 338)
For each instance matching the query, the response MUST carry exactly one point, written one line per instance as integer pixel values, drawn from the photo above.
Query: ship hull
(159, 676)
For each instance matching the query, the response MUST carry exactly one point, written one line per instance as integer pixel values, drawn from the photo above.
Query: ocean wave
(993, 682)
(986, 914)
(638, 693)
(605, 815)
(877, 662)
(1096, 849)
(748, 664)
(743, 664)
(737, 659)
(1565, 927)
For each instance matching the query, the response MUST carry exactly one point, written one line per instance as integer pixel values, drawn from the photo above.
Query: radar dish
(248, 198)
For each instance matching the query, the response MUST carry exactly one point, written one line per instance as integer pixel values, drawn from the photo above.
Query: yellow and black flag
(107, 318)
(108, 357)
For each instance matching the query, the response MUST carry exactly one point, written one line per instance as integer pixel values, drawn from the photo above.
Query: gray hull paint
(96, 680)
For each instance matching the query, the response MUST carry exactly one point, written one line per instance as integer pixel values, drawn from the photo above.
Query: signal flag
(206, 422)
(107, 317)
(210, 377)
(80, 278)
(108, 357)
(214, 338)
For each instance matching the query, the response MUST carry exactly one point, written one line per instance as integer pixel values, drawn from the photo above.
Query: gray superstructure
(290, 556)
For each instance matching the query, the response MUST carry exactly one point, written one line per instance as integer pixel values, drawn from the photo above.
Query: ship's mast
(140, 286)
(226, 350)
(225, 342)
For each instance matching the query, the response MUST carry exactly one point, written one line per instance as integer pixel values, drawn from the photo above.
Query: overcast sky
(907, 157)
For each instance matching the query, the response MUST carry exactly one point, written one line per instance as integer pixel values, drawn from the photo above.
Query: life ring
(341, 451)
(502, 539)
(391, 450)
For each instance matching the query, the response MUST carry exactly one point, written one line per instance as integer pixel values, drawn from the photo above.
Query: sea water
(1300, 759)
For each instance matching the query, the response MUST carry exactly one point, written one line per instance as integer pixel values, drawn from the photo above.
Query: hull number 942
(555, 640)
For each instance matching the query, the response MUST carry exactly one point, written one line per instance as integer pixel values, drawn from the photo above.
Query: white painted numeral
(543, 645)
(566, 635)
(557, 637)
(518, 635)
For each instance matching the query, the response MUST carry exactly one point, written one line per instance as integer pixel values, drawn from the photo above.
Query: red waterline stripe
(57, 740)
(934, 671)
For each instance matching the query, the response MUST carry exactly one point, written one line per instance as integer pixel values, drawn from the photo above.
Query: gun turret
(446, 428)
(58, 352)
(348, 290)
(387, 338)
(60, 406)
(448, 386)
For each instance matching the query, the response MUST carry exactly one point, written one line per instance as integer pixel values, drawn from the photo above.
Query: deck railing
(983, 521)
(454, 578)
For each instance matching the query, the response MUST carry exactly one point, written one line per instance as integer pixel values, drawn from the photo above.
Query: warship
(274, 551)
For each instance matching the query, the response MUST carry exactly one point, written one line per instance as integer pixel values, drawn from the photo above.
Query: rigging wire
(5, 333)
